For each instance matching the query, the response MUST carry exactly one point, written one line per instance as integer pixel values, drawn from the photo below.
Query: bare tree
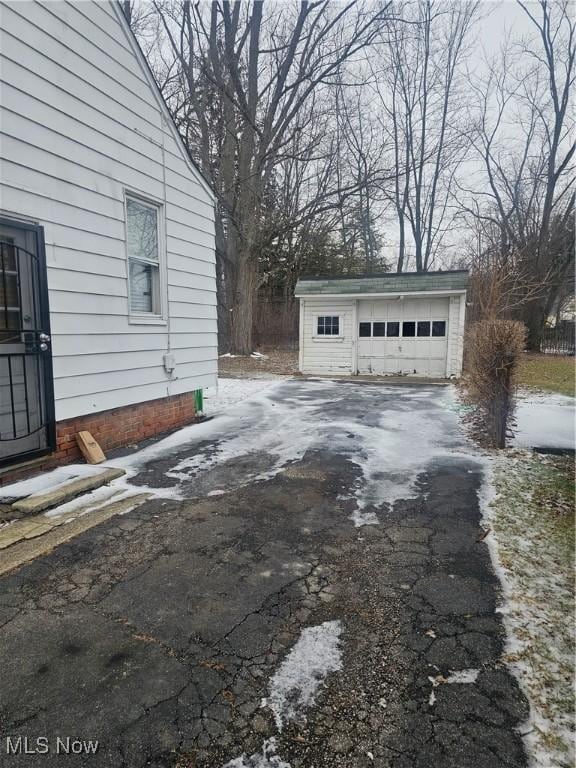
(360, 162)
(246, 75)
(524, 139)
(421, 95)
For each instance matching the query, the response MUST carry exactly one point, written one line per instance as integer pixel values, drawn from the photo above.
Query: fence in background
(276, 323)
(559, 340)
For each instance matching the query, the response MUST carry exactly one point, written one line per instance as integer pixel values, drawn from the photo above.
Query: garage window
(328, 325)
(409, 328)
(365, 330)
(438, 328)
(424, 328)
(379, 329)
(393, 329)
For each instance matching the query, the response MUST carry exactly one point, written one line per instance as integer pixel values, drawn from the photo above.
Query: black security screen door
(27, 427)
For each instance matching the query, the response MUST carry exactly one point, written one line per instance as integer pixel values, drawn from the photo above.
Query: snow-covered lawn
(544, 420)
(532, 517)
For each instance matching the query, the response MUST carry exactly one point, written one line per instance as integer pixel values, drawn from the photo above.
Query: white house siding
(325, 354)
(80, 126)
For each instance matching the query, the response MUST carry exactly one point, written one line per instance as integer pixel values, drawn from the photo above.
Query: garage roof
(390, 282)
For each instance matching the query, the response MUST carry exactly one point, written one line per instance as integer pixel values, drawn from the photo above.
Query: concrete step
(40, 502)
(24, 540)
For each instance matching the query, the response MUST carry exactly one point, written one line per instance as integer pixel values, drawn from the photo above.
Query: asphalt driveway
(159, 633)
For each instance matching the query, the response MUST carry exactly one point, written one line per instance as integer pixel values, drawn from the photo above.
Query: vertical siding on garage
(326, 355)
(455, 335)
(80, 125)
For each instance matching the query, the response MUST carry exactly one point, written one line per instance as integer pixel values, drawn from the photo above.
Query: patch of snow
(229, 392)
(266, 758)
(360, 518)
(394, 449)
(463, 676)
(259, 356)
(216, 492)
(545, 420)
(295, 683)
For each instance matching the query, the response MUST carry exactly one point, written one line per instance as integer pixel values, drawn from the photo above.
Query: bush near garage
(493, 352)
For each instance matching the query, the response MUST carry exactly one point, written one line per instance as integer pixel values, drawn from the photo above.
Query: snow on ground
(413, 428)
(295, 683)
(532, 551)
(249, 418)
(230, 392)
(294, 686)
(545, 420)
(266, 758)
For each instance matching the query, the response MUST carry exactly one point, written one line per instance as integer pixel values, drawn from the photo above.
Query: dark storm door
(27, 427)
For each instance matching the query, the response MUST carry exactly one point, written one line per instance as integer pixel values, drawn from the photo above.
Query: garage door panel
(423, 355)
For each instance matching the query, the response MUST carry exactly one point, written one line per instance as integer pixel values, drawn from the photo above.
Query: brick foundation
(112, 429)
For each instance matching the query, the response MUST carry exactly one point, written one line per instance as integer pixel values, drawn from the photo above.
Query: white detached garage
(390, 324)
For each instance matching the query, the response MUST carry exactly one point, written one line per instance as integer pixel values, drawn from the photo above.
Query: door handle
(43, 337)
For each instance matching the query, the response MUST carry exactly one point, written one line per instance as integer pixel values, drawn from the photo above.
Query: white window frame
(331, 337)
(148, 318)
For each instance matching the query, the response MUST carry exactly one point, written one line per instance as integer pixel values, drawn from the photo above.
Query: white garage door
(403, 336)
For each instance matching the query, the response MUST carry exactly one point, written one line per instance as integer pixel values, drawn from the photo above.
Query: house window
(379, 329)
(408, 329)
(424, 328)
(328, 326)
(393, 329)
(142, 227)
(365, 330)
(438, 328)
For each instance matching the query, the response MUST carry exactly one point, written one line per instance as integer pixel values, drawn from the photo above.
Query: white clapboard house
(107, 268)
(392, 324)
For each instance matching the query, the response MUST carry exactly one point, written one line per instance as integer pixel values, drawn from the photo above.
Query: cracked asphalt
(157, 631)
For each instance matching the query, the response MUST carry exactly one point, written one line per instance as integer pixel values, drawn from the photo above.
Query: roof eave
(380, 295)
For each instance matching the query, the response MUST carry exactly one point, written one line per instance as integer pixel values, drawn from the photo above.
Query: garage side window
(328, 325)
(142, 239)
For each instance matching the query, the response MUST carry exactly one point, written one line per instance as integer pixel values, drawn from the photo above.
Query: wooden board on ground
(90, 448)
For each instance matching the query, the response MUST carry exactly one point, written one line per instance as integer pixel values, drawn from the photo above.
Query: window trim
(330, 337)
(148, 318)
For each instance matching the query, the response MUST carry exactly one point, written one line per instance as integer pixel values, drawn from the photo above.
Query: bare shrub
(494, 348)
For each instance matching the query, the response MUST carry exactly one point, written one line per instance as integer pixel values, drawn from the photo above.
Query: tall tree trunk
(535, 320)
(242, 315)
